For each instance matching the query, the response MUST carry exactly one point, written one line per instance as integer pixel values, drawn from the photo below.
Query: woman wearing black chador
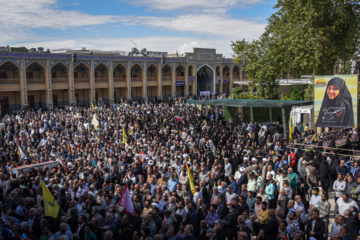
(337, 108)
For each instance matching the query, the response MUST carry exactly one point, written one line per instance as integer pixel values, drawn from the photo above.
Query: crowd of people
(247, 182)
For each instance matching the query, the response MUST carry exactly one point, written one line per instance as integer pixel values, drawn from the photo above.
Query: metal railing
(101, 79)
(59, 80)
(35, 81)
(9, 81)
(152, 79)
(119, 79)
(81, 80)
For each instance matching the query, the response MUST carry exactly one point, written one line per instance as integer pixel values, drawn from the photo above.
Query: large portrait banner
(335, 101)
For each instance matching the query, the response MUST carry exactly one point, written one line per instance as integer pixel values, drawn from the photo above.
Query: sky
(157, 25)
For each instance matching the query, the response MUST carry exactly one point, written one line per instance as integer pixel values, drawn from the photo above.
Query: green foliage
(263, 64)
(294, 93)
(230, 113)
(302, 37)
(237, 93)
(309, 92)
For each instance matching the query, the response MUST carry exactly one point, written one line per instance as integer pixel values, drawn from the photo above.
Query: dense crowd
(248, 181)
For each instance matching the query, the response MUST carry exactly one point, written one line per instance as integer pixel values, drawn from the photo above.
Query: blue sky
(158, 25)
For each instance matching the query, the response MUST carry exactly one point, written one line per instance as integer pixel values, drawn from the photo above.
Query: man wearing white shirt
(344, 203)
(315, 199)
(270, 171)
(339, 187)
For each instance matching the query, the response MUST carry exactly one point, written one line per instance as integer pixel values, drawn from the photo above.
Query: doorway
(31, 102)
(4, 105)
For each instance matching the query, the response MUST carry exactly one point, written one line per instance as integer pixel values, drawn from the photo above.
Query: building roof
(249, 103)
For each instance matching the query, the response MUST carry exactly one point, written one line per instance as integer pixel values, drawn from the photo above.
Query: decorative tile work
(200, 65)
(141, 64)
(17, 62)
(42, 62)
(65, 62)
(124, 64)
(106, 63)
(87, 63)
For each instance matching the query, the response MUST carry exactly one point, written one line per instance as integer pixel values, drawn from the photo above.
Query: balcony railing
(101, 79)
(59, 80)
(9, 81)
(152, 79)
(180, 78)
(136, 79)
(35, 81)
(119, 79)
(81, 80)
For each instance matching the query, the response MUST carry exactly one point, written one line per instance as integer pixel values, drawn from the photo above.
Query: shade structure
(249, 103)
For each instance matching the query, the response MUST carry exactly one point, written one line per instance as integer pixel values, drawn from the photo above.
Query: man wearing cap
(210, 233)
(242, 180)
(220, 232)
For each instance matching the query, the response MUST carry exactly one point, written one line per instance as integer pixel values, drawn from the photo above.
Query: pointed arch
(35, 73)
(59, 73)
(119, 73)
(236, 73)
(81, 73)
(166, 72)
(101, 73)
(9, 73)
(152, 73)
(226, 72)
(136, 73)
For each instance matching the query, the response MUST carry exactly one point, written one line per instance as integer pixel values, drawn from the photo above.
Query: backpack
(292, 159)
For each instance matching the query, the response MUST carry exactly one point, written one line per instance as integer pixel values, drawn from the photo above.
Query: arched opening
(136, 82)
(82, 84)
(166, 73)
(101, 76)
(205, 81)
(10, 87)
(119, 78)
(152, 77)
(218, 79)
(60, 85)
(191, 79)
(180, 81)
(35, 79)
(226, 80)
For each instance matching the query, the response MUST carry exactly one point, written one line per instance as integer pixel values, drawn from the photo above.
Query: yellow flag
(138, 118)
(122, 101)
(131, 131)
(95, 122)
(179, 100)
(291, 128)
(209, 106)
(92, 105)
(191, 180)
(175, 131)
(50, 204)
(124, 136)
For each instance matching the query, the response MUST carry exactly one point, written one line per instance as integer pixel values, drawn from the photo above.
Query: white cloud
(193, 5)
(211, 27)
(218, 25)
(44, 13)
(153, 43)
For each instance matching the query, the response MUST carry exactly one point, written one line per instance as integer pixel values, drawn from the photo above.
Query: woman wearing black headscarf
(337, 108)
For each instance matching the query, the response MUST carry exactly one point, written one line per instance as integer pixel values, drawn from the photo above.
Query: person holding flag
(124, 136)
(95, 122)
(51, 206)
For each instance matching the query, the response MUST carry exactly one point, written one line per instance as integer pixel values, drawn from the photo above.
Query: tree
(309, 92)
(237, 93)
(294, 93)
(316, 34)
(263, 64)
(302, 37)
